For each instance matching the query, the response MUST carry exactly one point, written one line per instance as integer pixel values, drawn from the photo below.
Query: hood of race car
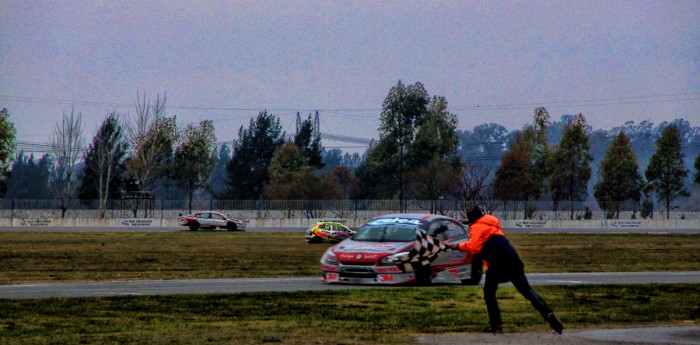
(350, 251)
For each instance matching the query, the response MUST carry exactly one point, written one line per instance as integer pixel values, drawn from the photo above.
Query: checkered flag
(423, 253)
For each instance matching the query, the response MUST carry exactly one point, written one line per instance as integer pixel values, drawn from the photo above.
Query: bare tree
(475, 188)
(435, 181)
(151, 136)
(67, 146)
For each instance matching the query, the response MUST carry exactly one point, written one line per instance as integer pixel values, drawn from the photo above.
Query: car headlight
(389, 259)
(329, 258)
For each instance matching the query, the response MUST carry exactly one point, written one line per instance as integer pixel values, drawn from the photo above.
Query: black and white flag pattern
(426, 249)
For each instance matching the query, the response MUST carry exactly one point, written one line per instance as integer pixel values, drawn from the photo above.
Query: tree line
(420, 154)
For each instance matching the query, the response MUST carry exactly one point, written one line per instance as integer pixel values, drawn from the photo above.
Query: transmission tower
(317, 126)
(298, 122)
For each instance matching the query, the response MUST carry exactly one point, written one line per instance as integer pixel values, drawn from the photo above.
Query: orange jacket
(479, 233)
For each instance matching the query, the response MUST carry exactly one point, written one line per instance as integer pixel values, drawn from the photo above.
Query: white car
(211, 220)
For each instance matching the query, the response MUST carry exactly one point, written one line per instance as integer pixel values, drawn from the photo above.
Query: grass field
(362, 316)
(78, 256)
(358, 316)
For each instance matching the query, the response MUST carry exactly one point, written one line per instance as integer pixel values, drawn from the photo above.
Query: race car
(327, 232)
(211, 220)
(369, 256)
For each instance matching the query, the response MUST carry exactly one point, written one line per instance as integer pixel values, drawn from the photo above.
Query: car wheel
(194, 226)
(475, 278)
(423, 275)
(315, 239)
(231, 226)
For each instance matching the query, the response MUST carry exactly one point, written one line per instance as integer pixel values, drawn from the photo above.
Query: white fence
(303, 223)
(299, 213)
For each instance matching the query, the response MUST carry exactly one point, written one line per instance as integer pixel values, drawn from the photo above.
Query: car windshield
(386, 233)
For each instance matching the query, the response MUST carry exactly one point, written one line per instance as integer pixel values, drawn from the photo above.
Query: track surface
(198, 286)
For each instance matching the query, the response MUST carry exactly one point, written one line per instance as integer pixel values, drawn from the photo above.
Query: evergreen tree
(435, 165)
(310, 144)
(666, 171)
(7, 148)
(404, 109)
(291, 178)
(436, 134)
(535, 137)
(217, 179)
(619, 177)
(377, 180)
(331, 159)
(29, 178)
(247, 171)
(514, 177)
(103, 174)
(642, 136)
(194, 158)
(352, 161)
(288, 170)
(537, 154)
(696, 177)
(569, 164)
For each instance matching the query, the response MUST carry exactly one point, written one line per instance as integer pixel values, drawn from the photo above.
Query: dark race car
(211, 220)
(327, 232)
(368, 257)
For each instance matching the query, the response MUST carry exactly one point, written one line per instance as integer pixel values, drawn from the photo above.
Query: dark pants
(521, 284)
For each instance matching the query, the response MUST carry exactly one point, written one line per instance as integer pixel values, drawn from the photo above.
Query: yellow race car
(328, 232)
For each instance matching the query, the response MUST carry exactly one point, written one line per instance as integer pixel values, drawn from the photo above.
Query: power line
(677, 97)
(344, 138)
(590, 102)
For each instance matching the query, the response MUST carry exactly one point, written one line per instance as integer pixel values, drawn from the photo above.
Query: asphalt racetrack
(197, 286)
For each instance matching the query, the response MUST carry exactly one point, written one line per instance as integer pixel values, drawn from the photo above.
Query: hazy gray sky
(613, 61)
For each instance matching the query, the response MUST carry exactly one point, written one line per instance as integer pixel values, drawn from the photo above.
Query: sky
(225, 61)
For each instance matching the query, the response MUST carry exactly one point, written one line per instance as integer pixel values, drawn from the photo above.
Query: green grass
(79, 256)
(67, 256)
(362, 316)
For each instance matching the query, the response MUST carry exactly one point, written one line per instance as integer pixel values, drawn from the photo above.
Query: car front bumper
(386, 275)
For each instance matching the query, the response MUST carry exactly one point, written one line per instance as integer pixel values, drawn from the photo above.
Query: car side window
(217, 216)
(437, 230)
(454, 229)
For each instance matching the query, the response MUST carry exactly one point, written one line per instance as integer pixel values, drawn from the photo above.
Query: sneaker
(554, 323)
(493, 329)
